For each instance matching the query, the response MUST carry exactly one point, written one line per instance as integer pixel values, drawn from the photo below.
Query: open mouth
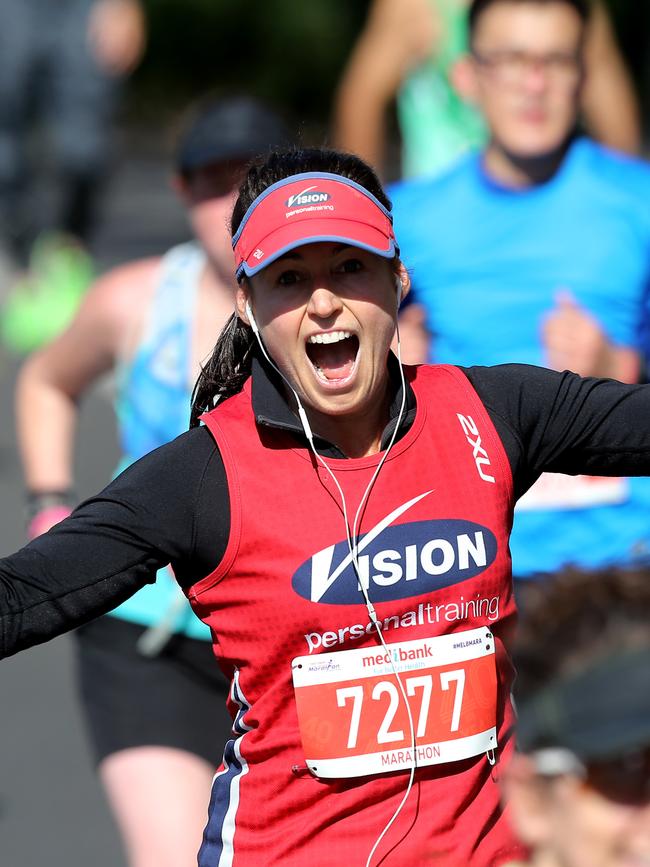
(333, 355)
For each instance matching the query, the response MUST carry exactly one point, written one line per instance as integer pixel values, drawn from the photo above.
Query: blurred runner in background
(537, 250)
(61, 63)
(578, 790)
(153, 697)
(409, 50)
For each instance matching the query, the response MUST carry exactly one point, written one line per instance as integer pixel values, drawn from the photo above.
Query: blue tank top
(159, 376)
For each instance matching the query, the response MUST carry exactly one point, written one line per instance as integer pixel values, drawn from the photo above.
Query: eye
(351, 266)
(288, 278)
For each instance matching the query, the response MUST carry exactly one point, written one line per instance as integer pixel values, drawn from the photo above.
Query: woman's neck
(358, 435)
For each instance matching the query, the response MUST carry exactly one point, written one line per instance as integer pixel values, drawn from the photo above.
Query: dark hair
(229, 366)
(478, 7)
(577, 617)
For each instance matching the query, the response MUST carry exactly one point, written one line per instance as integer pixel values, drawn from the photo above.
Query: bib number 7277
(354, 720)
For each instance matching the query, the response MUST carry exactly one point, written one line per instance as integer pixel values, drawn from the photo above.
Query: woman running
(341, 523)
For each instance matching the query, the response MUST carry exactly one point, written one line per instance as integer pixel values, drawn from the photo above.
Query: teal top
(153, 407)
(437, 126)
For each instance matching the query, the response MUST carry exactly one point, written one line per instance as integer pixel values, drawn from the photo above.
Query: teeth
(330, 337)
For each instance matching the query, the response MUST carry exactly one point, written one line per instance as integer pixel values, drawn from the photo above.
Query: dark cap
(598, 713)
(227, 129)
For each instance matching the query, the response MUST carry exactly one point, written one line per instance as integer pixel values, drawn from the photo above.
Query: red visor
(305, 209)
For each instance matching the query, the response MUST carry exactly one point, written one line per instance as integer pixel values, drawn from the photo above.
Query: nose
(324, 303)
(536, 76)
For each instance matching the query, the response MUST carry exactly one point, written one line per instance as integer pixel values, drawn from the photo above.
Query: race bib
(557, 491)
(353, 717)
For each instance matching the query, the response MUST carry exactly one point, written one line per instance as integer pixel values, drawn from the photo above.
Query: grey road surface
(52, 810)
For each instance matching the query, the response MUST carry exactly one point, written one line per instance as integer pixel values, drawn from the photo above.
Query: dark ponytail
(230, 363)
(226, 370)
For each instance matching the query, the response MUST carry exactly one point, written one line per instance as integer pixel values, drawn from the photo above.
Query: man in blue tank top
(537, 250)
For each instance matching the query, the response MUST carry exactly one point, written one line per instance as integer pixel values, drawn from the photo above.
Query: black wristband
(37, 501)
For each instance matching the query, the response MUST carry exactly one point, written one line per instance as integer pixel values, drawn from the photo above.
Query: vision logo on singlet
(397, 562)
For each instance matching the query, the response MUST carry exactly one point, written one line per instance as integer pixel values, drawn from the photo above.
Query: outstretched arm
(609, 103)
(53, 380)
(161, 510)
(399, 34)
(560, 423)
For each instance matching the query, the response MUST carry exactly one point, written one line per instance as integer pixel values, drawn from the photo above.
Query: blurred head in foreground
(220, 137)
(579, 787)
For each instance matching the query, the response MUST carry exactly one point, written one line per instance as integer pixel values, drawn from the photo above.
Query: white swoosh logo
(321, 580)
(295, 197)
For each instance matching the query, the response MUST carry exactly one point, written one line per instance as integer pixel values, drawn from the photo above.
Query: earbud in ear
(251, 318)
(398, 284)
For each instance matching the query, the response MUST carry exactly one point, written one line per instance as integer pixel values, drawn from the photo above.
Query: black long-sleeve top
(172, 506)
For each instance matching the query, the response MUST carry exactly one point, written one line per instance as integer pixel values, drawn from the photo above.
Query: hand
(574, 340)
(116, 34)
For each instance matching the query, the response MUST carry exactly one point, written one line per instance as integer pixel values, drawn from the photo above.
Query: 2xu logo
(481, 458)
(400, 562)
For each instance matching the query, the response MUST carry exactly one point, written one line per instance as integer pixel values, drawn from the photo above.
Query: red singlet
(433, 552)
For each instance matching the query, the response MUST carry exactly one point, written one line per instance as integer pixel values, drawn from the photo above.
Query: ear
(405, 280)
(180, 186)
(241, 299)
(464, 80)
(528, 798)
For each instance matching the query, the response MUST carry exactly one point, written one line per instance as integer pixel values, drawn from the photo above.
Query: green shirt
(437, 126)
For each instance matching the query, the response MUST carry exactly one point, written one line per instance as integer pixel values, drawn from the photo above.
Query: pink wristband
(45, 519)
